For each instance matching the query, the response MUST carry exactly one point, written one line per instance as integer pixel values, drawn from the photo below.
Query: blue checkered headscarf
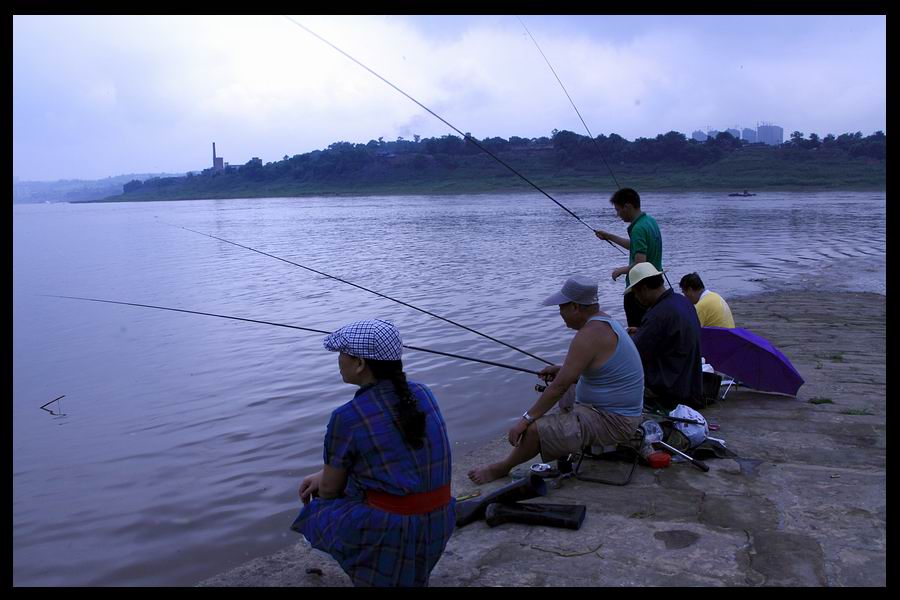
(372, 338)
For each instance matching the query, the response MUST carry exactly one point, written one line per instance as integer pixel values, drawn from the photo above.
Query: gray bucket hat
(577, 289)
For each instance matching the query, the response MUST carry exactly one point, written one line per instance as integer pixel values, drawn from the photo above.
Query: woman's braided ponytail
(412, 420)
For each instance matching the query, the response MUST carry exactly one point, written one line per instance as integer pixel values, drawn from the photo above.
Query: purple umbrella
(750, 359)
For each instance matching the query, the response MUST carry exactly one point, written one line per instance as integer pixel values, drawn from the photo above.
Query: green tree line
(380, 161)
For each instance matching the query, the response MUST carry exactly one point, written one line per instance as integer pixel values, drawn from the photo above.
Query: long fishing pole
(440, 118)
(208, 314)
(572, 102)
(422, 310)
(590, 135)
(586, 128)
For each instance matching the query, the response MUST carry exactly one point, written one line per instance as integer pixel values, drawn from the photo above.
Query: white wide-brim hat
(641, 271)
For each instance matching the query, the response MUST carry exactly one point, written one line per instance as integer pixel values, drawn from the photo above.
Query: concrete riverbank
(803, 505)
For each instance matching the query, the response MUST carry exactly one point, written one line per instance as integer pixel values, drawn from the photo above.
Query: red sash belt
(411, 504)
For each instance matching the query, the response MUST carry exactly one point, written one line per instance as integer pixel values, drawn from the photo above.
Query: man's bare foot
(488, 473)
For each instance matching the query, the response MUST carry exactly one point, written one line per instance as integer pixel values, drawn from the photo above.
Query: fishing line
(590, 135)
(586, 128)
(207, 314)
(468, 138)
(422, 310)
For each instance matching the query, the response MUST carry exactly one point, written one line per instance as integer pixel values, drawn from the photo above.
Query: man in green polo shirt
(644, 244)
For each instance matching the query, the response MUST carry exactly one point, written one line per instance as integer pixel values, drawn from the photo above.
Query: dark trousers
(634, 310)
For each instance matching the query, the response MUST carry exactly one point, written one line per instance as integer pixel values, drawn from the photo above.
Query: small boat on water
(742, 195)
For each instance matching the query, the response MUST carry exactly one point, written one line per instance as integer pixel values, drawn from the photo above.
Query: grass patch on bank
(818, 400)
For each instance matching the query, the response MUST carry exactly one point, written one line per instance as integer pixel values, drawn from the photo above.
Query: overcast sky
(98, 96)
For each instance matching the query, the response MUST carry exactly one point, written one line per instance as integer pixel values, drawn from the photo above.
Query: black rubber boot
(569, 516)
(523, 489)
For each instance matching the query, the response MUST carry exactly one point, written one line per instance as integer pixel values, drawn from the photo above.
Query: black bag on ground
(673, 437)
(709, 448)
(711, 384)
(712, 449)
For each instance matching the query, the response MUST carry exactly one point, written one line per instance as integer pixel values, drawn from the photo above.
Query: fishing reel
(539, 388)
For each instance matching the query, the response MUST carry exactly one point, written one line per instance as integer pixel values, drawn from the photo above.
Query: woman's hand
(309, 487)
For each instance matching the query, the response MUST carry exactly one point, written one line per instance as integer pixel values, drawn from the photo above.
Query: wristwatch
(528, 417)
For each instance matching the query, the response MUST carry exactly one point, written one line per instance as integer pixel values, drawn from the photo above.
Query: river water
(183, 437)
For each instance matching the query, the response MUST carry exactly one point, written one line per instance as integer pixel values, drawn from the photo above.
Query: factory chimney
(218, 161)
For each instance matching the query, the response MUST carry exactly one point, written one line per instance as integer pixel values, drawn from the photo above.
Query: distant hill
(565, 162)
(73, 190)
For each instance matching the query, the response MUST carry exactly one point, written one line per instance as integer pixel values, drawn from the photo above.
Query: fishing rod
(197, 312)
(468, 138)
(572, 102)
(586, 128)
(590, 135)
(60, 414)
(422, 310)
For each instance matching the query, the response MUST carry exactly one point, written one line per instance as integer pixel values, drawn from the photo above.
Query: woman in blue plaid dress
(381, 504)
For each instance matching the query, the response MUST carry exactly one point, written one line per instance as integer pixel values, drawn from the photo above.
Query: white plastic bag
(652, 433)
(696, 433)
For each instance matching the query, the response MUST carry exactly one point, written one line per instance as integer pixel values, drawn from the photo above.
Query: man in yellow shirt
(711, 308)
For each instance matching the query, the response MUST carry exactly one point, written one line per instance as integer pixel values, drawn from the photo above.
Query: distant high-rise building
(699, 136)
(770, 134)
(734, 133)
(749, 135)
(712, 133)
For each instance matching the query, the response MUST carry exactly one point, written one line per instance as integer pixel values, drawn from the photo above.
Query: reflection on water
(186, 436)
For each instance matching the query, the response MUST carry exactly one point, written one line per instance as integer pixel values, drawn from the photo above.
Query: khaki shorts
(568, 432)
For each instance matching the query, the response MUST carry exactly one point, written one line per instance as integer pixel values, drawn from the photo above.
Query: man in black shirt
(668, 340)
